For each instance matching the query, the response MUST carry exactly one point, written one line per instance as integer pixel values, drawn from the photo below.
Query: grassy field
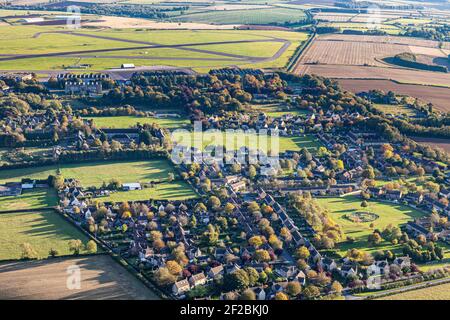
(95, 173)
(43, 230)
(254, 16)
(43, 40)
(388, 213)
(234, 141)
(29, 199)
(439, 292)
(396, 109)
(276, 111)
(131, 121)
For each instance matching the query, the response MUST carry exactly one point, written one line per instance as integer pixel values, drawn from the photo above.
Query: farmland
(388, 213)
(255, 16)
(95, 173)
(434, 142)
(439, 292)
(102, 279)
(44, 230)
(436, 95)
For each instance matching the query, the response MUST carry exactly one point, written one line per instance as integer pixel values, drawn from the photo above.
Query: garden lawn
(43, 230)
(29, 199)
(132, 121)
(389, 213)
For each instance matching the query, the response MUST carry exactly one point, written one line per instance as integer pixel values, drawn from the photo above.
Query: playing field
(236, 140)
(131, 121)
(43, 230)
(95, 173)
(388, 213)
(29, 199)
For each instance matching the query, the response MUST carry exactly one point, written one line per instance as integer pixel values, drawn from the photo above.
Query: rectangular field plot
(29, 199)
(101, 279)
(439, 292)
(42, 230)
(388, 213)
(131, 121)
(235, 141)
(97, 173)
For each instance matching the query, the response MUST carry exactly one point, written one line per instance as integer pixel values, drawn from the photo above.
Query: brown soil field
(438, 96)
(405, 76)
(353, 53)
(409, 41)
(122, 23)
(101, 279)
(434, 142)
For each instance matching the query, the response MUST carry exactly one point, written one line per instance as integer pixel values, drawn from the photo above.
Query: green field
(131, 121)
(276, 111)
(235, 140)
(388, 213)
(29, 199)
(43, 230)
(396, 109)
(95, 173)
(46, 39)
(254, 16)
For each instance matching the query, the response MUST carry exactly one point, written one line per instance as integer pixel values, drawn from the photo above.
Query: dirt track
(101, 279)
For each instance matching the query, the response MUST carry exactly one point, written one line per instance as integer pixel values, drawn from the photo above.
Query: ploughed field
(101, 279)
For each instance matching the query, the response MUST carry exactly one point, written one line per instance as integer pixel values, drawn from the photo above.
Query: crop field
(101, 279)
(53, 48)
(408, 41)
(132, 121)
(403, 76)
(437, 96)
(388, 213)
(434, 142)
(95, 173)
(439, 292)
(255, 16)
(362, 26)
(349, 53)
(29, 199)
(236, 140)
(43, 230)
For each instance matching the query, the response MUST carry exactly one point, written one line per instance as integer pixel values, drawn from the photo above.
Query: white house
(181, 287)
(131, 186)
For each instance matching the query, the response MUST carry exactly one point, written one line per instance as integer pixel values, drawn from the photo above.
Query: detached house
(180, 287)
(197, 279)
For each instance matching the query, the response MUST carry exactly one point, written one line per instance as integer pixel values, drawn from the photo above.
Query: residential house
(181, 287)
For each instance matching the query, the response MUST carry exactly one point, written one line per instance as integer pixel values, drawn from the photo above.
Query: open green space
(389, 213)
(276, 110)
(254, 16)
(96, 173)
(235, 140)
(43, 230)
(53, 39)
(396, 109)
(30, 199)
(132, 121)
